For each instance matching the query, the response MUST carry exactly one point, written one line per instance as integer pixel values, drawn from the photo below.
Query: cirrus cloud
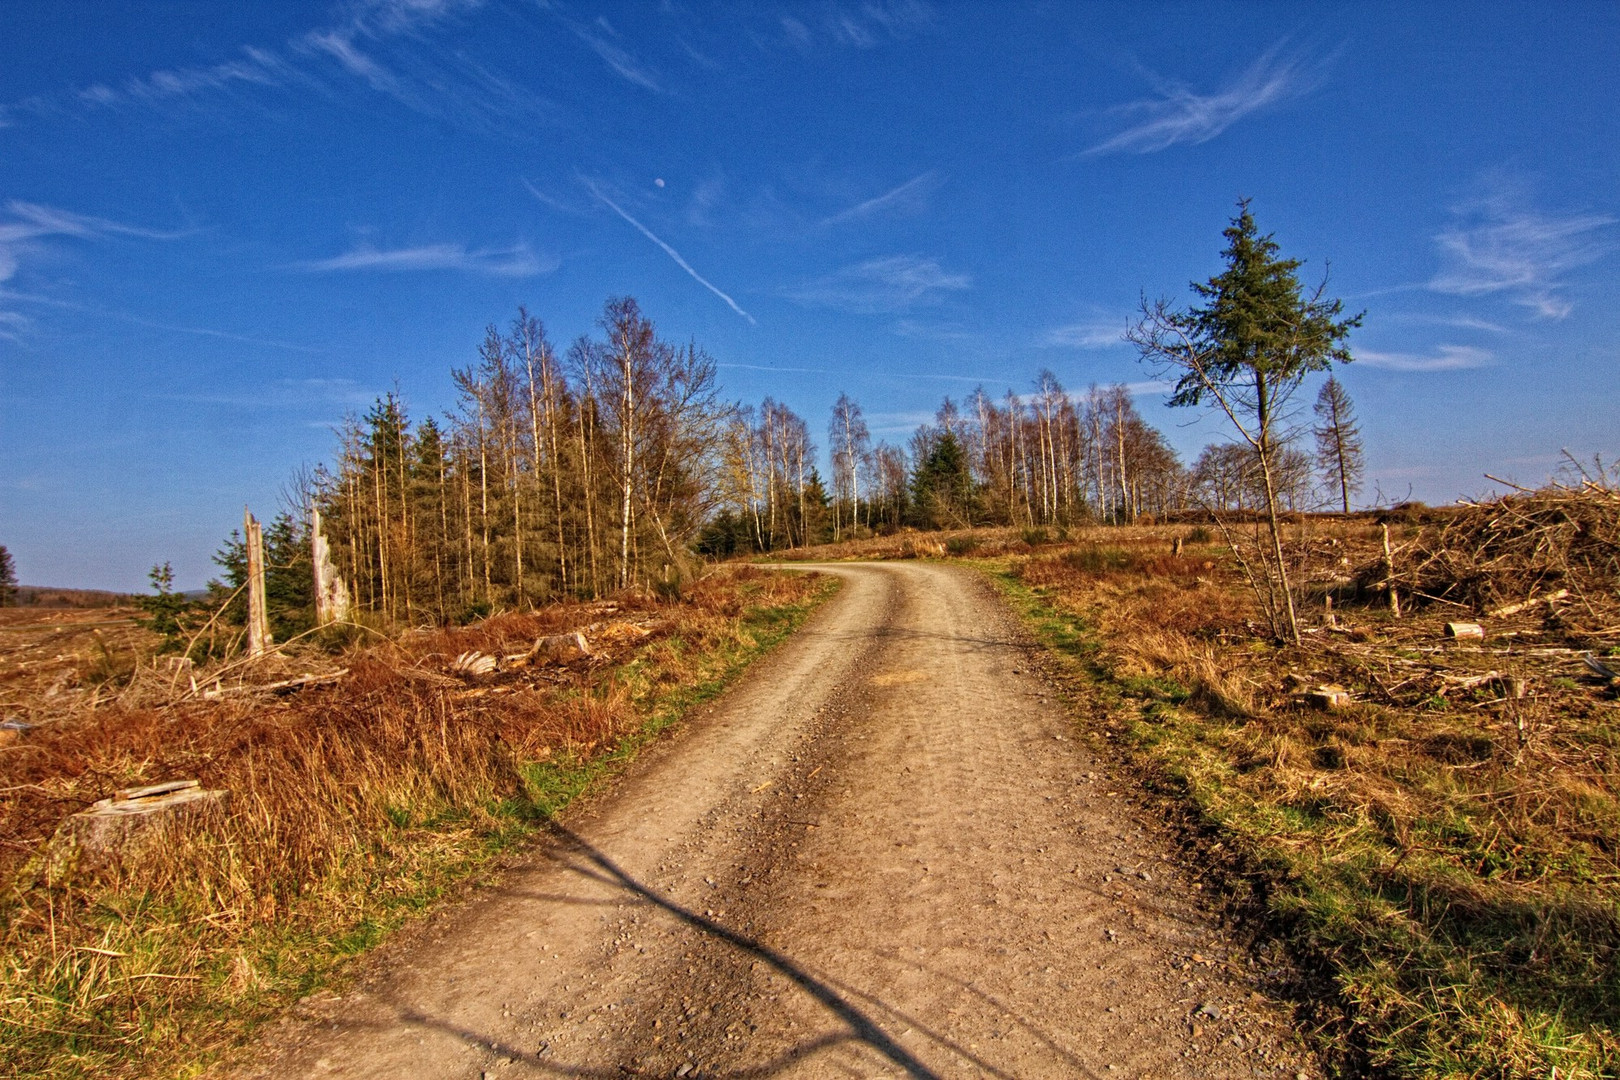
(1499, 245)
(1443, 358)
(893, 283)
(1176, 114)
(519, 260)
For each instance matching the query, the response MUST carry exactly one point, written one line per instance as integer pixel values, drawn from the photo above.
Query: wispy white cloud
(909, 197)
(27, 229)
(518, 260)
(377, 17)
(1499, 245)
(873, 374)
(340, 45)
(257, 67)
(600, 36)
(1443, 358)
(865, 25)
(930, 331)
(897, 423)
(1175, 114)
(33, 219)
(798, 33)
(426, 79)
(19, 322)
(284, 394)
(1095, 334)
(207, 332)
(671, 252)
(891, 284)
(706, 198)
(1456, 322)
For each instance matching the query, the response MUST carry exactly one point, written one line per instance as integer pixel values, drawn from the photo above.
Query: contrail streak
(672, 253)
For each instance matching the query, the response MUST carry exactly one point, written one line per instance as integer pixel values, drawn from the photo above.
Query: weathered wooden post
(1389, 572)
(331, 594)
(258, 615)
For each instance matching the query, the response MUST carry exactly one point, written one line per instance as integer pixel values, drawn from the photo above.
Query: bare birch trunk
(331, 594)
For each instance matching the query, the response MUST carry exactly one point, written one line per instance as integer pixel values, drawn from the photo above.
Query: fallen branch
(285, 686)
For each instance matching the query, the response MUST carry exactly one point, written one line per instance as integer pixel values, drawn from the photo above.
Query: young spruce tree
(1246, 351)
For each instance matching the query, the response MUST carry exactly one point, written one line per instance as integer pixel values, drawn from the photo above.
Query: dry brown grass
(1447, 846)
(350, 807)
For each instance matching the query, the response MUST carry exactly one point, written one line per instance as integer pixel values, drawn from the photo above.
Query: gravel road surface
(881, 853)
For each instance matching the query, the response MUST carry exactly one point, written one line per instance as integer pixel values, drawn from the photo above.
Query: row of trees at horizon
(610, 464)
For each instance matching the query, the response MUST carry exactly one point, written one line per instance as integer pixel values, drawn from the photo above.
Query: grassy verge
(352, 809)
(1443, 854)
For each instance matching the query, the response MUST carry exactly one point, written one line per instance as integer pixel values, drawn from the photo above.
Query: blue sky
(223, 226)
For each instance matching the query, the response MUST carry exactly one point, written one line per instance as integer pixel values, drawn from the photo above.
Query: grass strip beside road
(1462, 931)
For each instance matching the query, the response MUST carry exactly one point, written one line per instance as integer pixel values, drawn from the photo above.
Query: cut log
(1602, 670)
(303, 682)
(1525, 605)
(474, 664)
(285, 686)
(1465, 631)
(127, 826)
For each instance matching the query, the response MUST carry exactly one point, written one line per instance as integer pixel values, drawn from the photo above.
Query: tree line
(1048, 458)
(617, 463)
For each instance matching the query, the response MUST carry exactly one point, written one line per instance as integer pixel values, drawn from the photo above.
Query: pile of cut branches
(1499, 555)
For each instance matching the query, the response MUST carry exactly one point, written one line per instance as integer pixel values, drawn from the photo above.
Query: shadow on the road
(579, 856)
(576, 855)
(901, 633)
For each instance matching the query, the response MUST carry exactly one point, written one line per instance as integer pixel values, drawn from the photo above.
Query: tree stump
(561, 648)
(1327, 698)
(126, 826)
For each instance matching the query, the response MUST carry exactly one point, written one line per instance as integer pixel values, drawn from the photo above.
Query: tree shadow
(854, 1008)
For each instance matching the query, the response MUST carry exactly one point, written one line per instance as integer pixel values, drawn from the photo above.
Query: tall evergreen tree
(942, 486)
(8, 578)
(1246, 351)
(1338, 441)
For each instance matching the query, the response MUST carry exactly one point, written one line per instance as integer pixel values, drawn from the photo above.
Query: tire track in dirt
(881, 853)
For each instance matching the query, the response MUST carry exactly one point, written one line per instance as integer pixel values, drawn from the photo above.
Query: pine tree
(1338, 440)
(942, 486)
(1247, 350)
(8, 578)
(165, 609)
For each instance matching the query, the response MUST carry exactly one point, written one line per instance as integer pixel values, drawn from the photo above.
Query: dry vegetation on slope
(351, 805)
(1445, 847)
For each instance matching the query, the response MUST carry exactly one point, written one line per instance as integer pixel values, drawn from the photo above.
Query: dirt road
(881, 854)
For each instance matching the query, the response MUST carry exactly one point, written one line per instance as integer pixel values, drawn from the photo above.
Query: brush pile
(1516, 550)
